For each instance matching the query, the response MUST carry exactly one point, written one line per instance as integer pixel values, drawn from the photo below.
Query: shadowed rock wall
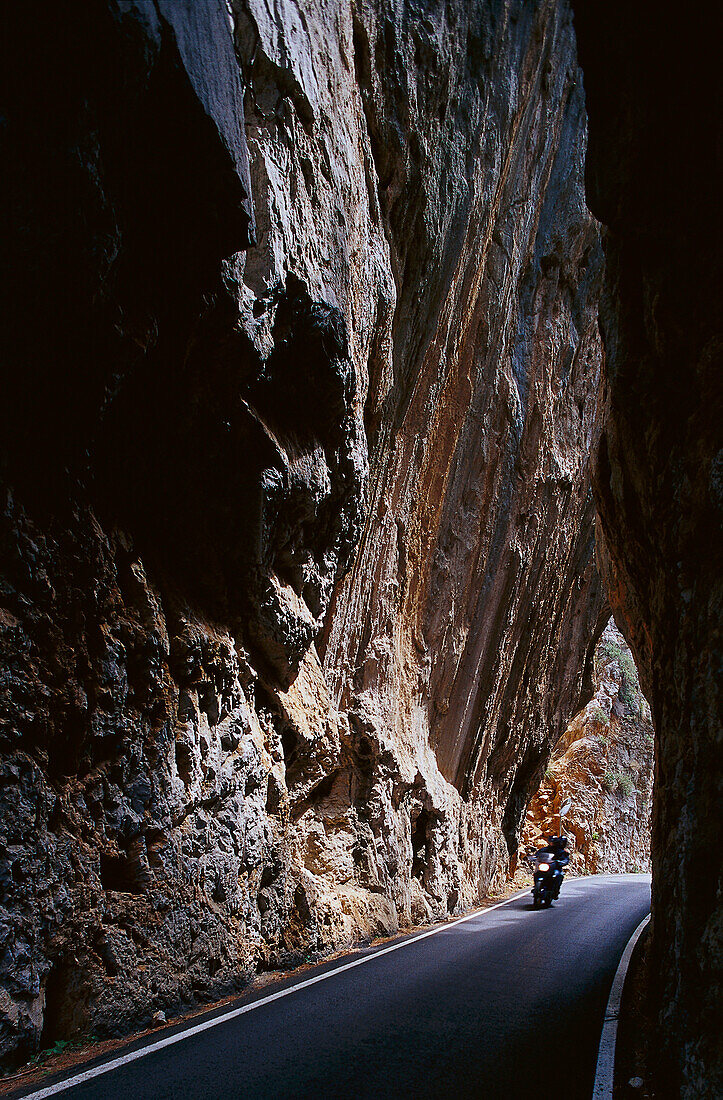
(658, 470)
(297, 583)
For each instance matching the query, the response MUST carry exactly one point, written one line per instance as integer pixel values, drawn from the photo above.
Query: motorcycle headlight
(543, 867)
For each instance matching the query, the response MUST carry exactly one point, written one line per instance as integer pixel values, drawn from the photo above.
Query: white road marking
(605, 1069)
(170, 1040)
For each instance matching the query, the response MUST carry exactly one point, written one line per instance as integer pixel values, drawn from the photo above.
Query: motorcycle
(547, 880)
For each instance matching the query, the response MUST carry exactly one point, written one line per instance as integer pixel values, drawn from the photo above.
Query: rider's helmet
(558, 842)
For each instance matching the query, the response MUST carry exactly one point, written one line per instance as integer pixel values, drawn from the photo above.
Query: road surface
(491, 1007)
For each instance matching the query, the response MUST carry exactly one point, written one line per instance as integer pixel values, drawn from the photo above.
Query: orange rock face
(604, 764)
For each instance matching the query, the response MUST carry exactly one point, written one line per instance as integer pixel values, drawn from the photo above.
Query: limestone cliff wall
(603, 764)
(658, 472)
(297, 582)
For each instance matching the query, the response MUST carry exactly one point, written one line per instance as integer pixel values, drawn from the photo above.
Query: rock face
(658, 471)
(604, 764)
(297, 585)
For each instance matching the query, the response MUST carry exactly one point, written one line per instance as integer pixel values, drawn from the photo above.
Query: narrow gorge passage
(350, 380)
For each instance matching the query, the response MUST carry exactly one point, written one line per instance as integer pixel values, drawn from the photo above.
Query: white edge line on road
(170, 1040)
(605, 1069)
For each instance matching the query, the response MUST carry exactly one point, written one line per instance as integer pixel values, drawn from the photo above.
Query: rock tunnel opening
(604, 765)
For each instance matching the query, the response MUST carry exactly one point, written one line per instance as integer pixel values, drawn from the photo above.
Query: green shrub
(618, 782)
(626, 785)
(58, 1047)
(630, 693)
(61, 1045)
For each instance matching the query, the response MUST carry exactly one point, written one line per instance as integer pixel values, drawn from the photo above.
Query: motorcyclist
(555, 853)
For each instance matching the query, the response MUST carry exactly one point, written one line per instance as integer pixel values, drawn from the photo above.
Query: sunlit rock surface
(297, 585)
(603, 764)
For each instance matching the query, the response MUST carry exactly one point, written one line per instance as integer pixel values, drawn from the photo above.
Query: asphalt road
(505, 1005)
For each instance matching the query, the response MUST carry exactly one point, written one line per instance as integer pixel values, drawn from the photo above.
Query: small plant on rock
(629, 691)
(618, 782)
(625, 785)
